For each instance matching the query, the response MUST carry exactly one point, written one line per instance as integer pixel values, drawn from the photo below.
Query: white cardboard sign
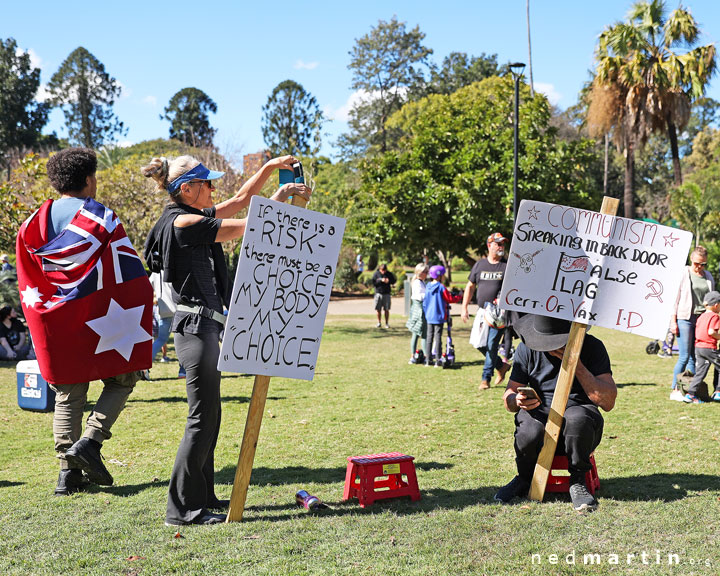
(281, 290)
(594, 268)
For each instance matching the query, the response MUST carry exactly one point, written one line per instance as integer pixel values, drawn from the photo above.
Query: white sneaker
(378, 325)
(677, 395)
(387, 325)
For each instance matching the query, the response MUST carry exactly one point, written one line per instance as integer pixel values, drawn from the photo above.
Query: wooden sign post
(251, 434)
(562, 392)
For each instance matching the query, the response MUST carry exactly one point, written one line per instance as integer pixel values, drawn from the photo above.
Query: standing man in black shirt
(383, 281)
(537, 365)
(486, 277)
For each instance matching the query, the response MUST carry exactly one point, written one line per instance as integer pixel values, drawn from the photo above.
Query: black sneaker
(518, 487)
(582, 500)
(70, 481)
(204, 520)
(85, 454)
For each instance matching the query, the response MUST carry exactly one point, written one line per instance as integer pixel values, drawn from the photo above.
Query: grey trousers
(70, 400)
(192, 483)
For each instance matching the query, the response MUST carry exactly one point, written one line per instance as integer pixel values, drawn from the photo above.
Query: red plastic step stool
(379, 476)
(562, 483)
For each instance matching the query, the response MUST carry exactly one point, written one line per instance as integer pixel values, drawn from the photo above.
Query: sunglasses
(201, 182)
(699, 263)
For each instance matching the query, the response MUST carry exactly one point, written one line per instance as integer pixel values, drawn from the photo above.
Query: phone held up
(295, 175)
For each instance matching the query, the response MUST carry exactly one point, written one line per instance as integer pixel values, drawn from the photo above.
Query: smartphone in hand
(528, 392)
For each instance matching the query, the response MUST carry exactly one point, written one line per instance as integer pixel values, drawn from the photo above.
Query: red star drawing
(533, 212)
(670, 240)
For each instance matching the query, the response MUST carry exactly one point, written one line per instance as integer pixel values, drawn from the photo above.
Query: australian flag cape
(85, 295)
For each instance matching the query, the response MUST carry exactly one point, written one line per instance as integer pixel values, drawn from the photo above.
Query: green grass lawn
(658, 464)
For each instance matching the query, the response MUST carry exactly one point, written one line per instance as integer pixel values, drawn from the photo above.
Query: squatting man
(536, 365)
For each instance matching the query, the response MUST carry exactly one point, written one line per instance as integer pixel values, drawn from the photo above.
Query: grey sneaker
(517, 487)
(582, 500)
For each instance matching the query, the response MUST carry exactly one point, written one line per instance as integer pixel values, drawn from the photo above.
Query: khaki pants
(70, 400)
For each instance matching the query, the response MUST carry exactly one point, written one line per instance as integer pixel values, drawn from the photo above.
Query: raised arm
(601, 389)
(241, 199)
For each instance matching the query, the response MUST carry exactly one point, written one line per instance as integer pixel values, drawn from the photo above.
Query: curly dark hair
(69, 168)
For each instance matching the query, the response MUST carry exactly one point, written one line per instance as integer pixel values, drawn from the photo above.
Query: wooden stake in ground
(251, 434)
(562, 392)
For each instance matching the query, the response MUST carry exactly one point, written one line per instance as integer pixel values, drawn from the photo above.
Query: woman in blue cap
(185, 245)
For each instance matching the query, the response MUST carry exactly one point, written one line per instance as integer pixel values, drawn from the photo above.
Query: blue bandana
(197, 173)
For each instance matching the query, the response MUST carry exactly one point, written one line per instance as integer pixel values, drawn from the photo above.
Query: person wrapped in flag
(88, 304)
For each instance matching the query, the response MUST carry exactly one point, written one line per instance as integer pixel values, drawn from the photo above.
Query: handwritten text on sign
(594, 268)
(281, 291)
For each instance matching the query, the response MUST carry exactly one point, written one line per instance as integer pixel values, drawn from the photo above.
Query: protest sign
(594, 268)
(281, 291)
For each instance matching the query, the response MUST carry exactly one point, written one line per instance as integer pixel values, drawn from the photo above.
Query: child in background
(435, 306)
(707, 334)
(416, 322)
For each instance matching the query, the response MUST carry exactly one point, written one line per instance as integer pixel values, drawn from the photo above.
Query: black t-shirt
(380, 286)
(540, 370)
(12, 334)
(488, 278)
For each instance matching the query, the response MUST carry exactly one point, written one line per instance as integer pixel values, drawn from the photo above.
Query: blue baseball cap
(200, 172)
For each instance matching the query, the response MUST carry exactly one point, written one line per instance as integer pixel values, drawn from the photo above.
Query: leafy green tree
(21, 116)
(703, 115)
(187, 113)
(86, 93)
(696, 204)
(292, 121)
(696, 208)
(20, 195)
(386, 63)
(449, 182)
(459, 70)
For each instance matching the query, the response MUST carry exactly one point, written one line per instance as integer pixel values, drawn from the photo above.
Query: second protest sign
(281, 291)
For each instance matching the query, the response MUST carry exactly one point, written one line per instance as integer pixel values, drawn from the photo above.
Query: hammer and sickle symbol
(656, 289)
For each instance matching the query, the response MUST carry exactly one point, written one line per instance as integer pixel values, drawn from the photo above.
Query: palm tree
(639, 59)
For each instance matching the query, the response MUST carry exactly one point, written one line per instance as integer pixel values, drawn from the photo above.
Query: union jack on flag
(85, 295)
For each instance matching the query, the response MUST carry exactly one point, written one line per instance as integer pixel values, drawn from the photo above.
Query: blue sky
(237, 52)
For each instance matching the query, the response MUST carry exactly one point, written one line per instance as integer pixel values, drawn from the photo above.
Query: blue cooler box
(33, 391)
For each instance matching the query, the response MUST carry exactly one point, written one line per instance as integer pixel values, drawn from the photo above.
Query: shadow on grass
(9, 483)
(667, 487)
(369, 332)
(664, 487)
(430, 500)
(302, 474)
(623, 384)
(128, 489)
(183, 398)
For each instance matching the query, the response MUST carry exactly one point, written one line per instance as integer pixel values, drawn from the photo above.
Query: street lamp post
(516, 69)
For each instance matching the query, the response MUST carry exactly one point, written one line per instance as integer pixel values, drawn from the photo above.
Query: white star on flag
(31, 296)
(119, 329)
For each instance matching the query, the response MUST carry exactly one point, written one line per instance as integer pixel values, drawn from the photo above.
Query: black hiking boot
(85, 454)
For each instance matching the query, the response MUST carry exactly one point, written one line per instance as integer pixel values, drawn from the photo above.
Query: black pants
(580, 434)
(434, 333)
(704, 357)
(192, 483)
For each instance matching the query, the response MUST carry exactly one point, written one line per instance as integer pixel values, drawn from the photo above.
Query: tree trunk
(446, 261)
(629, 192)
(607, 163)
(677, 170)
